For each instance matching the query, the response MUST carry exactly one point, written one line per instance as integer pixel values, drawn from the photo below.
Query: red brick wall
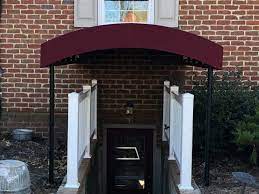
(26, 24)
(125, 76)
(234, 24)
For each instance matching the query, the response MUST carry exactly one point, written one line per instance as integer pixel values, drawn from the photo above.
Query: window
(126, 11)
(88, 13)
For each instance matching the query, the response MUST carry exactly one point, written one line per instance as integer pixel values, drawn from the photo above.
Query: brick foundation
(38, 122)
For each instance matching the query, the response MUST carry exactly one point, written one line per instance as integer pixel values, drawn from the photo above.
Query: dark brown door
(130, 161)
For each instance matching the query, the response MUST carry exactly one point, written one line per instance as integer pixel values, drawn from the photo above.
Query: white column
(72, 142)
(174, 90)
(166, 108)
(88, 121)
(187, 134)
(172, 116)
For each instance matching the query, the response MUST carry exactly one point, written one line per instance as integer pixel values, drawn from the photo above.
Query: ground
(34, 153)
(222, 181)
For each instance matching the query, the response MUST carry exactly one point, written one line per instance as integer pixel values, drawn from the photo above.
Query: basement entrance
(84, 46)
(129, 161)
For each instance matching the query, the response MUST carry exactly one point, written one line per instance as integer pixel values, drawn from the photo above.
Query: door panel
(130, 161)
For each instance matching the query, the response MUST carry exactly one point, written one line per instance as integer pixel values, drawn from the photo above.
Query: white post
(72, 143)
(187, 134)
(88, 122)
(166, 108)
(173, 91)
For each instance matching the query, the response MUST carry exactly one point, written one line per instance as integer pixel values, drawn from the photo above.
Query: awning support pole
(208, 128)
(51, 123)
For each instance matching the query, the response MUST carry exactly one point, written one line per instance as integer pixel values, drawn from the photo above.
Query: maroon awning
(139, 36)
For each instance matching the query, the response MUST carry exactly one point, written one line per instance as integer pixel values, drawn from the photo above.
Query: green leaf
(244, 137)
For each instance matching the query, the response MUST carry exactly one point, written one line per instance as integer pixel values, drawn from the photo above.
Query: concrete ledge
(174, 177)
(83, 173)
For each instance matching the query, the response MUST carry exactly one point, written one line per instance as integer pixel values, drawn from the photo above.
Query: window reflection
(126, 11)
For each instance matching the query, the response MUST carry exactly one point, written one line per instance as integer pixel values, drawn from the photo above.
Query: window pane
(127, 16)
(128, 11)
(112, 16)
(141, 16)
(134, 16)
(126, 5)
(112, 5)
(140, 5)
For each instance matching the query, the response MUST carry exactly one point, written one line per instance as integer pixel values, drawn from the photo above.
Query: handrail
(176, 128)
(166, 111)
(83, 95)
(82, 125)
(93, 111)
(178, 117)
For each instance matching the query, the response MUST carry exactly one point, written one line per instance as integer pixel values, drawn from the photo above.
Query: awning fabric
(139, 36)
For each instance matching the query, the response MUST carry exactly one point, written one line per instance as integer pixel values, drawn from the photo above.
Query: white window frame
(129, 148)
(101, 11)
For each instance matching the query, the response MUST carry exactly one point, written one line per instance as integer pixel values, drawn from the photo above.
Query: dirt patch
(221, 179)
(35, 154)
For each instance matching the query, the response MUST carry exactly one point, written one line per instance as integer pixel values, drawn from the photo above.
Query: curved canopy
(139, 36)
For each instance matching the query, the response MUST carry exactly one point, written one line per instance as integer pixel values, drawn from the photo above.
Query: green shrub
(232, 100)
(247, 135)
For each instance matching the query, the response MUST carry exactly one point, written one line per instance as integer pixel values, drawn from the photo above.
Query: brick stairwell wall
(25, 24)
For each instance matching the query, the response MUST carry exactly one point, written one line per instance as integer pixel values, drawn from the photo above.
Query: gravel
(221, 179)
(35, 154)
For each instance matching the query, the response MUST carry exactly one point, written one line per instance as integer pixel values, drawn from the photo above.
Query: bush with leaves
(247, 135)
(232, 100)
